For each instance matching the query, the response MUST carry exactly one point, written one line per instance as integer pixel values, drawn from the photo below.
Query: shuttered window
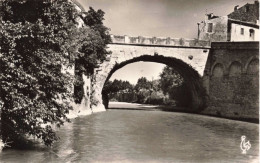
(242, 31)
(210, 27)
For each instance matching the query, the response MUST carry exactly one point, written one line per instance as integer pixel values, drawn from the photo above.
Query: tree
(169, 79)
(173, 84)
(93, 50)
(143, 89)
(117, 86)
(115, 89)
(143, 83)
(39, 38)
(156, 85)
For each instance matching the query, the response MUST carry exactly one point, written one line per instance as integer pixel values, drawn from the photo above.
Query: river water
(145, 136)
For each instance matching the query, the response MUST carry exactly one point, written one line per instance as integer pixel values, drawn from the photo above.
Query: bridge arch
(190, 75)
(190, 68)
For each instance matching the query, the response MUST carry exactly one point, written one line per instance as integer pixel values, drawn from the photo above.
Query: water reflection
(145, 136)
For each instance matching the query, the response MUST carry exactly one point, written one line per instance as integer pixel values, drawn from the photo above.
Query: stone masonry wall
(159, 41)
(233, 80)
(219, 29)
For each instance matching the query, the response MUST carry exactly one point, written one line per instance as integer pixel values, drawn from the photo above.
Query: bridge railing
(166, 41)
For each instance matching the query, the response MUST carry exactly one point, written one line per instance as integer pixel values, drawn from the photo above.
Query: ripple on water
(143, 136)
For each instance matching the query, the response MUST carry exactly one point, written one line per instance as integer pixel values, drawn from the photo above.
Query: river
(145, 136)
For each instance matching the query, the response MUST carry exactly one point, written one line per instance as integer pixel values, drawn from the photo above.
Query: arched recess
(191, 76)
(235, 69)
(252, 67)
(217, 70)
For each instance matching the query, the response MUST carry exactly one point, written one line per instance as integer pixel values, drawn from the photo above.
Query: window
(247, 8)
(242, 31)
(210, 27)
(251, 32)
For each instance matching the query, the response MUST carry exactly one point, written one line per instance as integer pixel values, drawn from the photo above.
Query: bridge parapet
(165, 41)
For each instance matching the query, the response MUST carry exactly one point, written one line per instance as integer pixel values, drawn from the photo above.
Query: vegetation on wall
(93, 50)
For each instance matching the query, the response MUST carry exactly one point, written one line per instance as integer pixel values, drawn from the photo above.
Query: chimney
(210, 16)
(235, 8)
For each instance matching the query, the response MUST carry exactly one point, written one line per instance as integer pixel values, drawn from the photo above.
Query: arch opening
(191, 77)
(235, 69)
(218, 71)
(253, 67)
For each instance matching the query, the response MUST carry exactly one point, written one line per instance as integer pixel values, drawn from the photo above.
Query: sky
(159, 18)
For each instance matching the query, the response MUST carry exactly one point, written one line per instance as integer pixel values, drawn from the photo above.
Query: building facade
(240, 25)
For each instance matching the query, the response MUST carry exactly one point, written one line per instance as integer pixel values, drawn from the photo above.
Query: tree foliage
(170, 79)
(123, 91)
(93, 49)
(38, 39)
(173, 84)
(170, 89)
(143, 83)
(117, 86)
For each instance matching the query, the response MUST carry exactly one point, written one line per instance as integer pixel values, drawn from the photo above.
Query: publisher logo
(244, 145)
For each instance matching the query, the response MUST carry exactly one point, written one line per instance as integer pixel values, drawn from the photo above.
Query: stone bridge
(187, 56)
(223, 77)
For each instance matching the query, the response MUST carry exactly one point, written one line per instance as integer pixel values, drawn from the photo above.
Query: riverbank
(147, 107)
